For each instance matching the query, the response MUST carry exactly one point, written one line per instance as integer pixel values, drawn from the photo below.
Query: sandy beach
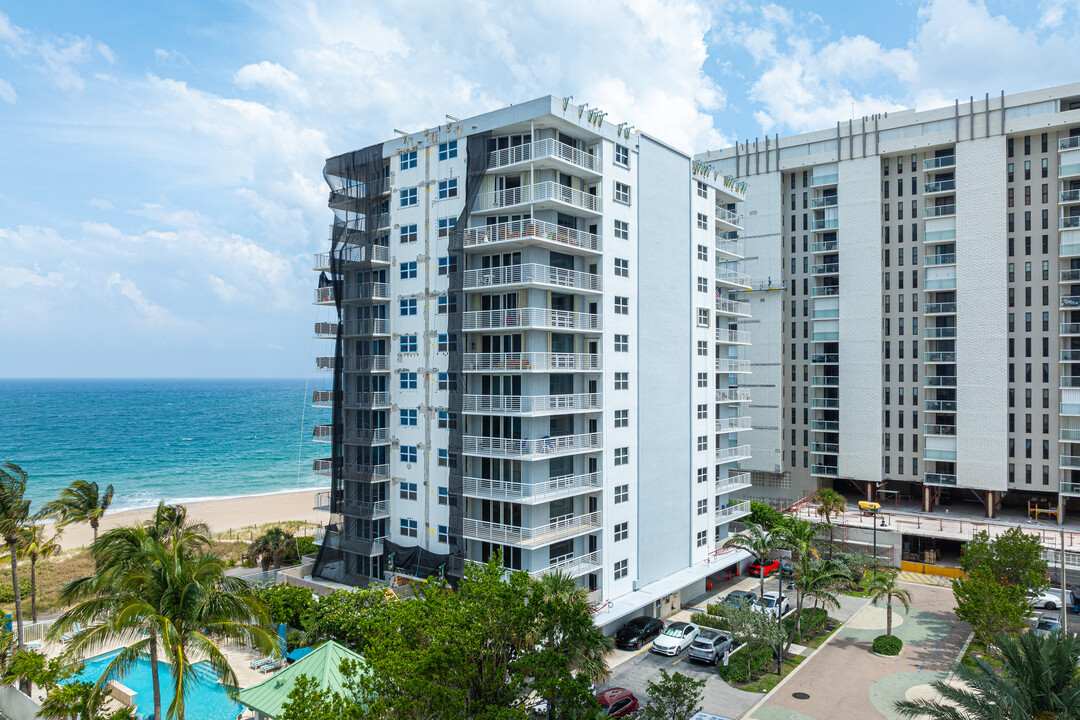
(220, 515)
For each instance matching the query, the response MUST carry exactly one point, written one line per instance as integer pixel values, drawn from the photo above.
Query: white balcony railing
(355, 254)
(322, 466)
(531, 229)
(326, 330)
(544, 149)
(542, 491)
(365, 363)
(733, 424)
(825, 470)
(530, 404)
(735, 308)
(727, 216)
(732, 277)
(367, 326)
(573, 566)
(939, 479)
(529, 317)
(532, 362)
(366, 399)
(732, 337)
(322, 433)
(520, 448)
(537, 193)
(324, 364)
(731, 248)
(532, 273)
(823, 202)
(732, 483)
(728, 365)
(367, 435)
(531, 536)
(940, 430)
(324, 295)
(322, 398)
(732, 454)
(727, 513)
(732, 395)
(825, 381)
(367, 291)
(932, 188)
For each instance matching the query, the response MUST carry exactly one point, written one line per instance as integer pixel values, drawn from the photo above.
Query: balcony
(732, 395)
(732, 337)
(732, 483)
(367, 363)
(324, 364)
(371, 510)
(531, 449)
(373, 473)
(1069, 247)
(825, 425)
(532, 362)
(732, 454)
(941, 186)
(825, 358)
(728, 219)
(820, 448)
(1069, 276)
(936, 211)
(518, 233)
(944, 308)
(355, 400)
(1069, 381)
(561, 529)
(825, 403)
(531, 274)
(933, 381)
(1069, 462)
(354, 254)
(324, 296)
(937, 163)
(541, 196)
(824, 471)
(939, 333)
(828, 246)
(1069, 409)
(367, 327)
(939, 259)
(824, 225)
(824, 180)
(733, 424)
(732, 308)
(1069, 170)
(826, 269)
(939, 236)
(730, 249)
(528, 405)
(1068, 197)
(532, 493)
(828, 336)
(733, 511)
(322, 398)
(323, 433)
(940, 357)
(322, 467)
(546, 153)
(730, 365)
(1070, 356)
(367, 291)
(825, 291)
(326, 330)
(939, 479)
(1068, 143)
(940, 406)
(825, 381)
(1069, 488)
(939, 430)
(936, 284)
(825, 313)
(367, 436)
(1070, 301)
(732, 278)
(531, 318)
(823, 202)
(573, 566)
(368, 547)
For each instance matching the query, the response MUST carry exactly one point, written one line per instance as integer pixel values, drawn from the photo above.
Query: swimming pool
(206, 700)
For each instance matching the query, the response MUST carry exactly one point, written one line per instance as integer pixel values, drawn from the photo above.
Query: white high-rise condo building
(535, 351)
(922, 335)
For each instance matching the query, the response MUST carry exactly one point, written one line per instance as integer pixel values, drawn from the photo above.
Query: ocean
(177, 440)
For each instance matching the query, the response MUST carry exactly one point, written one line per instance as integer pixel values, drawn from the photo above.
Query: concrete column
(991, 502)
(927, 499)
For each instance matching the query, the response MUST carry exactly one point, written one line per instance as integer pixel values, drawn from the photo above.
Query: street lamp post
(874, 514)
(1064, 586)
(779, 620)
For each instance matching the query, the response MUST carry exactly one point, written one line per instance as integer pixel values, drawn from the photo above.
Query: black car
(637, 632)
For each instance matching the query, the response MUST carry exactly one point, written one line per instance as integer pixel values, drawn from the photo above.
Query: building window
(622, 305)
(622, 456)
(447, 265)
(703, 348)
(702, 189)
(448, 150)
(408, 454)
(622, 494)
(444, 534)
(703, 380)
(622, 267)
(702, 412)
(446, 225)
(408, 343)
(447, 342)
(408, 527)
(702, 252)
(702, 285)
(703, 475)
(408, 381)
(622, 193)
(447, 304)
(408, 233)
(702, 443)
(447, 420)
(408, 270)
(446, 459)
(407, 417)
(702, 538)
(408, 197)
(702, 221)
(702, 507)
(447, 381)
(622, 569)
(622, 531)
(408, 491)
(622, 381)
(622, 230)
(622, 418)
(622, 155)
(622, 343)
(448, 188)
(703, 317)
(444, 495)
(408, 160)
(407, 306)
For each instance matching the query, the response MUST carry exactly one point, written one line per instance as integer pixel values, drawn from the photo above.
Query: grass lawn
(768, 681)
(862, 591)
(816, 642)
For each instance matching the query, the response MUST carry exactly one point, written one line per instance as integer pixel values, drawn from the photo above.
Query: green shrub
(735, 672)
(888, 645)
(719, 609)
(709, 621)
(307, 545)
(7, 593)
(814, 621)
(764, 515)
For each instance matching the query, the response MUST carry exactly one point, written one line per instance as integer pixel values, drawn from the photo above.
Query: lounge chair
(75, 630)
(271, 667)
(256, 664)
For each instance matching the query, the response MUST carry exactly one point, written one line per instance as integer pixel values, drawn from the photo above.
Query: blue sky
(161, 194)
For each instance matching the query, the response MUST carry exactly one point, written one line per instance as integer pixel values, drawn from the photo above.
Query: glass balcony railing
(940, 284)
(820, 180)
(944, 308)
(824, 247)
(939, 259)
(937, 236)
(1069, 170)
(1070, 222)
(1069, 196)
(939, 187)
(825, 291)
(1069, 143)
(945, 430)
(823, 202)
(827, 224)
(939, 479)
(939, 162)
(933, 381)
(939, 211)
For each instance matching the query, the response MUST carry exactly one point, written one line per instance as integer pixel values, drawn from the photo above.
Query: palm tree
(799, 537)
(757, 542)
(272, 545)
(34, 544)
(171, 521)
(1033, 678)
(80, 502)
(14, 516)
(885, 585)
(172, 593)
(829, 503)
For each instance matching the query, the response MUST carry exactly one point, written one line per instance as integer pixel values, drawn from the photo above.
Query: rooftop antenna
(451, 118)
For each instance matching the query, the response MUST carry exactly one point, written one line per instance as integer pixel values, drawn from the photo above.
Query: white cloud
(58, 57)
(101, 204)
(7, 93)
(153, 315)
(273, 76)
(16, 277)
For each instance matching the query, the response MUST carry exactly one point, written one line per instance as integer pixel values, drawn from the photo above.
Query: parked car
(637, 632)
(787, 569)
(617, 702)
(1046, 599)
(764, 569)
(773, 601)
(741, 597)
(709, 646)
(1048, 624)
(676, 637)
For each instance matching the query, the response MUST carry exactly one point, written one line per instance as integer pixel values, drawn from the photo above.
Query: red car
(617, 702)
(764, 569)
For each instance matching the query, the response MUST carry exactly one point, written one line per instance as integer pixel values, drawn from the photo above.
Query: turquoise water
(177, 440)
(205, 700)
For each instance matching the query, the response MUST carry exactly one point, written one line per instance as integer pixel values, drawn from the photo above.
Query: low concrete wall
(930, 569)
(16, 706)
(122, 693)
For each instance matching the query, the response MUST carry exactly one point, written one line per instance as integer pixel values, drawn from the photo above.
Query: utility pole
(1064, 586)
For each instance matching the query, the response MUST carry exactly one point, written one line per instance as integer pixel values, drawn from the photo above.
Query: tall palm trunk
(796, 625)
(154, 675)
(888, 617)
(94, 527)
(24, 684)
(33, 588)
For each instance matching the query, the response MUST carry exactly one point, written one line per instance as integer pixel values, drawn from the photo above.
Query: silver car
(709, 646)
